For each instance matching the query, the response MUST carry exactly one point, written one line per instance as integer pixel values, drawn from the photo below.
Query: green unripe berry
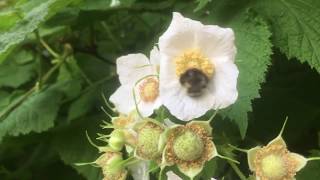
(117, 140)
(188, 146)
(273, 166)
(148, 142)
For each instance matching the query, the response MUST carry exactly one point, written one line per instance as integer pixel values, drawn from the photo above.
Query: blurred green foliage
(58, 56)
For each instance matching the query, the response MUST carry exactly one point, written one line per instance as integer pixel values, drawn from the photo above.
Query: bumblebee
(195, 81)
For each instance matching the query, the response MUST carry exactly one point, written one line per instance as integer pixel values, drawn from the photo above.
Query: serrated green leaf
(30, 22)
(31, 116)
(14, 75)
(296, 27)
(253, 57)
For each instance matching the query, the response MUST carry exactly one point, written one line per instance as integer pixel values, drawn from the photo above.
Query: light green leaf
(253, 58)
(8, 19)
(36, 114)
(296, 27)
(13, 75)
(201, 4)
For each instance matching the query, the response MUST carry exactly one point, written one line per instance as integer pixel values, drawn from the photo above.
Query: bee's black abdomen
(195, 81)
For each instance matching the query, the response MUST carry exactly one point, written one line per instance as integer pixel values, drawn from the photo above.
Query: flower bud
(117, 140)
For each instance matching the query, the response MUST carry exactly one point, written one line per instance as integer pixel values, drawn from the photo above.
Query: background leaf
(296, 25)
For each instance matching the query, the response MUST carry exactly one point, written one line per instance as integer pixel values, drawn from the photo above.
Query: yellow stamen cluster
(200, 134)
(149, 89)
(193, 59)
(274, 162)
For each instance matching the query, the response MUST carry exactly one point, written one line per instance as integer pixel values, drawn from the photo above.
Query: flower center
(148, 140)
(188, 146)
(122, 121)
(149, 89)
(273, 166)
(193, 59)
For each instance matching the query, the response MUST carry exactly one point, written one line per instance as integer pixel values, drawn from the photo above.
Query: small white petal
(172, 176)
(215, 41)
(155, 56)
(223, 85)
(123, 99)
(175, 98)
(133, 67)
(179, 36)
(146, 108)
(139, 171)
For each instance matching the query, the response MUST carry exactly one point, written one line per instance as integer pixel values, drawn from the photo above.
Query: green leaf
(30, 22)
(36, 114)
(13, 75)
(253, 57)
(311, 171)
(201, 4)
(8, 19)
(83, 104)
(296, 27)
(73, 147)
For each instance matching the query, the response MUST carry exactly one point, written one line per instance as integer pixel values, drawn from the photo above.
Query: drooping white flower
(172, 176)
(197, 70)
(139, 170)
(139, 83)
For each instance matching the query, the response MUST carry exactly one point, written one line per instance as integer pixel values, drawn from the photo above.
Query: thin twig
(237, 170)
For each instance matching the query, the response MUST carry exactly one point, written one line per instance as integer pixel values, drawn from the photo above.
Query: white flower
(172, 176)
(137, 72)
(139, 170)
(197, 70)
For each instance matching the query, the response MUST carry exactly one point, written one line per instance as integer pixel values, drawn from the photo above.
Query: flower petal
(223, 84)
(123, 99)
(179, 36)
(182, 106)
(147, 108)
(300, 160)
(133, 67)
(215, 41)
(139, 170)
(191, 172)
(251, 156)
(278, 141)
(172, 176)
(155, 56)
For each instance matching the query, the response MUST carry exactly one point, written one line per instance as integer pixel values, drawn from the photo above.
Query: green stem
(237, 170)
(111, 36)
(238, 149)
(16, 103)
(46, 46)
(313, 159)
